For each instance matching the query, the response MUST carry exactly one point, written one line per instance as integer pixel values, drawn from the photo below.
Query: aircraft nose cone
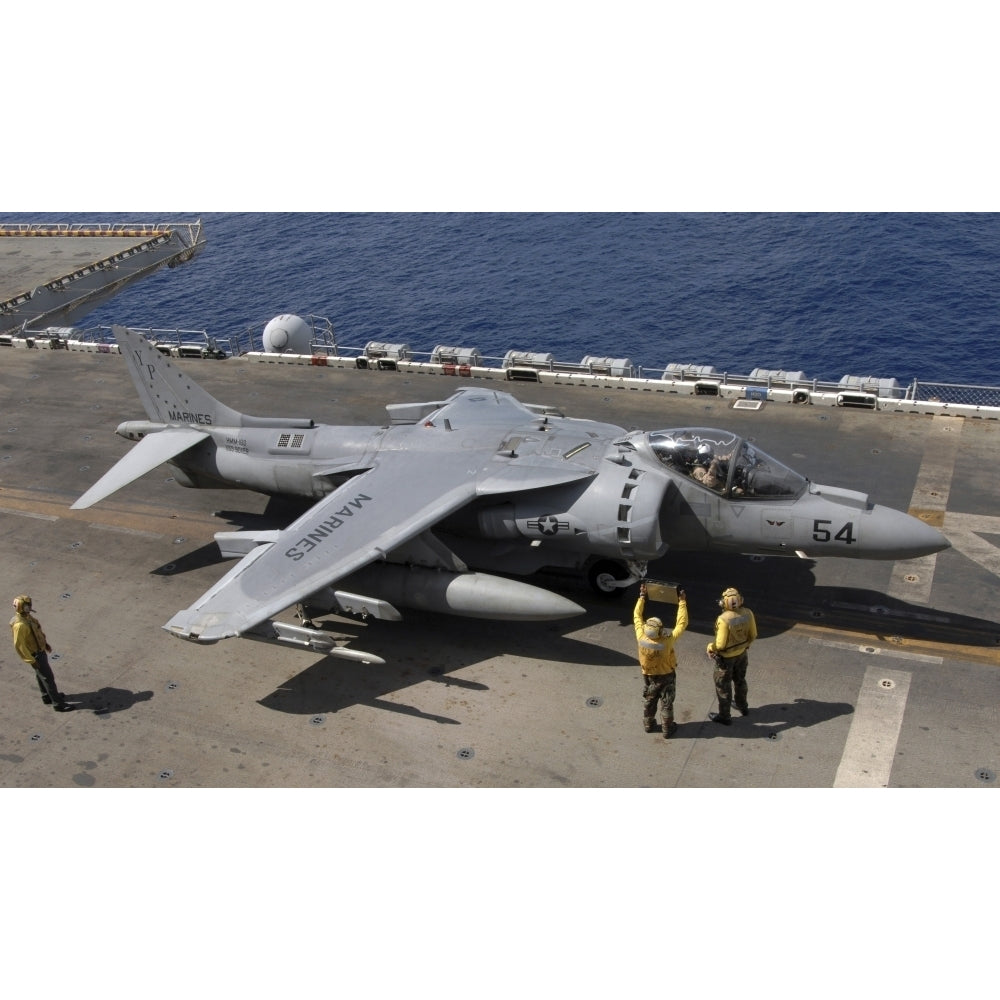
(895, 535)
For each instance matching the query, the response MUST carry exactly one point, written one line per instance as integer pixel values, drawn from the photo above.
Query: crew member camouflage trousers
(730, 674)
(46, 680)
(660, 688)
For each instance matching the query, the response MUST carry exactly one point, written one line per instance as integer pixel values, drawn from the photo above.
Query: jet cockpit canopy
(725, 463)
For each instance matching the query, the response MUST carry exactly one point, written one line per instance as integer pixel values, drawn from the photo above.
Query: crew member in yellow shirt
(32, 647)
(659, 662)
(735, 630)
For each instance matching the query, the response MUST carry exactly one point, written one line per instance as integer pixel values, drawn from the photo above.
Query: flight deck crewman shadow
(770, 721)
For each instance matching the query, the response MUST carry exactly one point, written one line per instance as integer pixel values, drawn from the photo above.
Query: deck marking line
(930, 493)
(28, 513)
(898, 654)
(871, 742)
(963, 531)
(118, 529)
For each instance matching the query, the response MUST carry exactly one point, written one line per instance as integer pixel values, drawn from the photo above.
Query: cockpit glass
(725, 463)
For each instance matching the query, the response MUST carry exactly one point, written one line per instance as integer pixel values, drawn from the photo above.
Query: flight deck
(865, 673)
(53, 275)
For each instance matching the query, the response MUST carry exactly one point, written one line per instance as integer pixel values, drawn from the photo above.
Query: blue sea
(905, 296)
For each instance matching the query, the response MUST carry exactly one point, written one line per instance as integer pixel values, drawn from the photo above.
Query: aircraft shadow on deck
(278, 513)
(429, 647)
(783, 593)
(200, 558)
(328, 687)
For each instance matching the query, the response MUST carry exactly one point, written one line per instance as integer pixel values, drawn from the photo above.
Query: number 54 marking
(822, 533)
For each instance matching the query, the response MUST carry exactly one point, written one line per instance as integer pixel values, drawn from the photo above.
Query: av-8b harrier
(406, 514)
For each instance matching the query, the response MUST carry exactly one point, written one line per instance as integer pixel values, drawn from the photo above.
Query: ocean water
(890, 295)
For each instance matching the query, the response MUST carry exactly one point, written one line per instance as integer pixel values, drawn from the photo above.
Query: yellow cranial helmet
(731, 599)
(653, 626)
(22, 604)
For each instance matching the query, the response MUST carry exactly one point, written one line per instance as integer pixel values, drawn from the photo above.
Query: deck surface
(30, 261)
(866, 673)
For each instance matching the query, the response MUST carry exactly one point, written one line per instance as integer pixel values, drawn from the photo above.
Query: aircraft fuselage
(627, 504)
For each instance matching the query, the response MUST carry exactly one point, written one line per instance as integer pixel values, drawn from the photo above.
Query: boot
(669, 728)
(649, 724)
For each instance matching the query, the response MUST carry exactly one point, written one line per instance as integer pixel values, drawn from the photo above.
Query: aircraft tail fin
(168, 394)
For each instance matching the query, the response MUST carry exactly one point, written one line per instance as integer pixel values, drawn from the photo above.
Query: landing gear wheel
(603, 576)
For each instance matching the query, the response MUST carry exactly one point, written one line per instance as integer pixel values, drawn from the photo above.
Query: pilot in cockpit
(725, 464)
(709, 469)
(695, 460)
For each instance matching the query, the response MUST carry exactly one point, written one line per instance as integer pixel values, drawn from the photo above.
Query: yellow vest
(734, 631)
(656, 654)
(28, 637)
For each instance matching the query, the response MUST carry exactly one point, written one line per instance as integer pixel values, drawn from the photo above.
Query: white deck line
(871, 742)
(912, 578)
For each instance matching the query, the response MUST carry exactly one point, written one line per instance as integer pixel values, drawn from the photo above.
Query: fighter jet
(408, 514)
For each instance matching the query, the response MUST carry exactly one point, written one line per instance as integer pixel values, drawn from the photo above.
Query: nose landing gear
(609, 578)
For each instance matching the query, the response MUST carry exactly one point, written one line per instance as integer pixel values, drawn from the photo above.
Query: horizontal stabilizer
(151, 452)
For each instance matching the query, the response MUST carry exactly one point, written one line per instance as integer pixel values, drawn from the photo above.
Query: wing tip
(195, 627)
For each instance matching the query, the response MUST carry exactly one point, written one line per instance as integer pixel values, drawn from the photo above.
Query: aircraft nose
(891, 534)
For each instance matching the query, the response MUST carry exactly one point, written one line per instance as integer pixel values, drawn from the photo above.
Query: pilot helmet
(731, 599)
(653, 627)
(704, 454)
(22, 604)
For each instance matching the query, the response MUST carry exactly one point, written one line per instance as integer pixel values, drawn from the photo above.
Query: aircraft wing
(152, 451)
(358, 523)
